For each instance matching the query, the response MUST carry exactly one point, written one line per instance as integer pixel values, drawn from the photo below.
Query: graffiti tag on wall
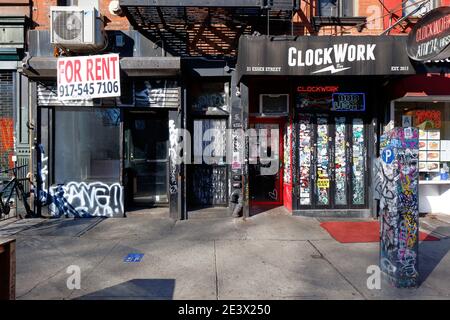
(80, 199)
(173, 156)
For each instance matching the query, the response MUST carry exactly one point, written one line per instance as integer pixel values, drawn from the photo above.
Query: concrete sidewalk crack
(89, 227)
(337, 270)
(95, 267)
(42, 281)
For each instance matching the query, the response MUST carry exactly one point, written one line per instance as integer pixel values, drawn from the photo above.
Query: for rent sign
(88, 77)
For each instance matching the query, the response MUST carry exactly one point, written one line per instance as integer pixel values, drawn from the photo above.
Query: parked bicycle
(14, 187)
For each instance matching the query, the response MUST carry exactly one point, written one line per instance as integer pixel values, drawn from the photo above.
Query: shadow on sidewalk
(257, 209)
(431, 253)
(160, 289)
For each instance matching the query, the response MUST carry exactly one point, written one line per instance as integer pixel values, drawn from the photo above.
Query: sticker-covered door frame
(332, 160)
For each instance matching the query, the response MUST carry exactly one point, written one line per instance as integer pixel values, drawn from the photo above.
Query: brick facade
(371, 9)
(41, 15)
(15, 8)
(392, 11)
(113, 22)
(380, 14)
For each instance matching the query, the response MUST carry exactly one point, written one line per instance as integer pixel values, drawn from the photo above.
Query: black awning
(323, 56)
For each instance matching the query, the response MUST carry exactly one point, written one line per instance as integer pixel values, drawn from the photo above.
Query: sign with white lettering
(323, 56)
(430, 37)
(88, 77)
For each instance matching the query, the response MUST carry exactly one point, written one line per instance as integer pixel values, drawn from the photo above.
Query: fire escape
(208, 28)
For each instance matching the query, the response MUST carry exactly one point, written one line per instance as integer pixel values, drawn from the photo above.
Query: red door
(266, 162)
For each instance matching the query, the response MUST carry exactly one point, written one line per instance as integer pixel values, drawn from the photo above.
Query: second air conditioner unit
(76, 28)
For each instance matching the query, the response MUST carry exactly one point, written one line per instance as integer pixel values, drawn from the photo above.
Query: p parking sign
(387, 155)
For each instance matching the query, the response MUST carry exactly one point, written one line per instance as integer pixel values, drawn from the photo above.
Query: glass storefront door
(265, 163)
(332, 166)
(146, 158)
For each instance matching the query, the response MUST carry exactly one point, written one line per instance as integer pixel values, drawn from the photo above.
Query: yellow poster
(323, 183)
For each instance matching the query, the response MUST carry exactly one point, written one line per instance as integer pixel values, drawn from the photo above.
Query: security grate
(6, 120)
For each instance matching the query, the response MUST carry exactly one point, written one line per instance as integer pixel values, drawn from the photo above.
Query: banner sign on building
(88, 77)
(323, 56)
(430, 37)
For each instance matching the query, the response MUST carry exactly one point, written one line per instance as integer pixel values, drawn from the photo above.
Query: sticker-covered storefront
(423, 101)
(332, 141)
(325, 98)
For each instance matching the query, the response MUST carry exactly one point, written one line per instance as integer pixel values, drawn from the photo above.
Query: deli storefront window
(433, 120)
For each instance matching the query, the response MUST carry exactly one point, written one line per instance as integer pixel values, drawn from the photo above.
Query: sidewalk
(270, 256)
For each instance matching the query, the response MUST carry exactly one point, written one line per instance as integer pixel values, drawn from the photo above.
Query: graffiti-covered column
(176, 165)
(239, 118)
(235, 149)
(399, 206)
(244, 93)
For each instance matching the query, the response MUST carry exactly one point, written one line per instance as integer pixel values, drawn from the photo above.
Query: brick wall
(113, 22)
(395, 7)
(40, 12)
(41, 15)
(372, 9)
(15, 7)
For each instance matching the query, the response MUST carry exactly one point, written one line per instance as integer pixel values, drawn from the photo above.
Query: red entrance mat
(361, 231)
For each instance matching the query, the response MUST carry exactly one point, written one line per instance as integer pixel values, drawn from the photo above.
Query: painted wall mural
(398, 189)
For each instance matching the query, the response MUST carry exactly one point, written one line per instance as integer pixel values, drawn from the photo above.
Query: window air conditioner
(76, 28)
(274, 104)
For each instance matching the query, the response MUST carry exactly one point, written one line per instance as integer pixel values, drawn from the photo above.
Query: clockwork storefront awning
(323, 56)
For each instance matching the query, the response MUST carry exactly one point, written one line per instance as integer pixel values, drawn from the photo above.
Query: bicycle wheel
(5, 209)
(22, 196)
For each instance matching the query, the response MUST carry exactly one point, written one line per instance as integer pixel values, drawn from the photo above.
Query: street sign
(429, 39)
(387, 155)
(88, 77)
(133, 257)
